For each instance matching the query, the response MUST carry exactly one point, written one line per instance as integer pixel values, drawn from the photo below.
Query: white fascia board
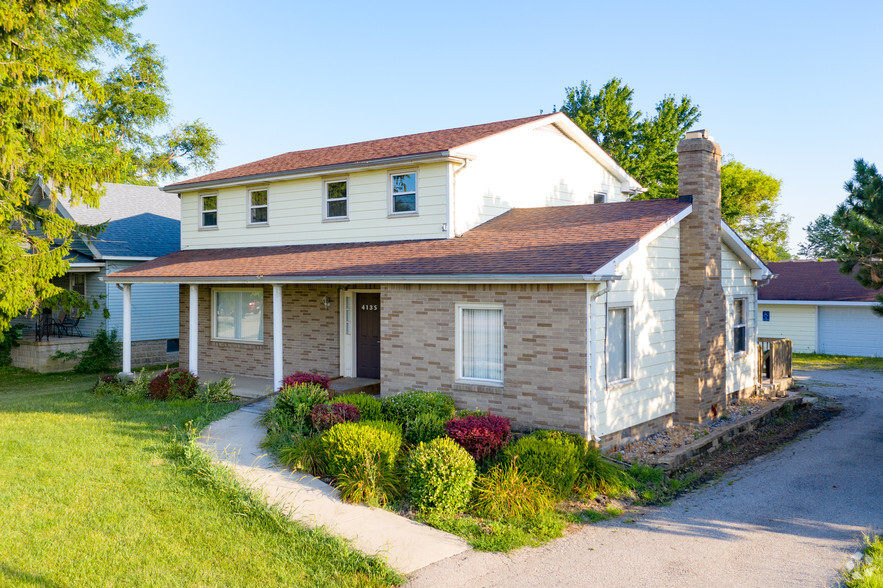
(353, 280)
(610, 267)
(762, 302)
(326, 170)
(124, 258)
(759, 270)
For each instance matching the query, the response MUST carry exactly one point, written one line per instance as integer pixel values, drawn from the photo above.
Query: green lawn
(870, 573)
(815, 361)
(104, 492)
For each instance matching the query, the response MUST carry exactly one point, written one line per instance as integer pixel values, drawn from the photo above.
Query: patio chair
(69, 324)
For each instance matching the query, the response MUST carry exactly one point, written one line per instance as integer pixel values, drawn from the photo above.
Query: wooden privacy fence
(774, 357)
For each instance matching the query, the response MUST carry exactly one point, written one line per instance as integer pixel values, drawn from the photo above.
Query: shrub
(305, 454)
(173, 383)
(599, 476)
(424, 428)
(465, 413)
(305, 378)
(325, 416)
(296, 402)
(481, 436)
(102, 355)
(440, 476)
(555, 461)
(404, 408)
(507, 493)
(216, 392)
(8, 340)
(369, 407)
(370, 482)
(107, 385)
(348, 446)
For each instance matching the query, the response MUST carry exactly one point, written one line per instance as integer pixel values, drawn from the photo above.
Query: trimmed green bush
(506, 493)
(440, 476)
(349, 446)
(555, 461)
(173, 384)
(369, 407)
(424, 428)
(404, 408)
(102, 355)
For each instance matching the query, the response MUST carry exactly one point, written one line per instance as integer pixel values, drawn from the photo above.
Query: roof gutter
(309, 172)
(416, 279)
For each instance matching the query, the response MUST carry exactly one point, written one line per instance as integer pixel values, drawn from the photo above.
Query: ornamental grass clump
(372, 483)
(325, 416)
(554, 459)
(305, 454)
(369, 407)
(440, 476)
(507, 493)
(482, 436)
(173, 384)
(348, 446)
(597, 476)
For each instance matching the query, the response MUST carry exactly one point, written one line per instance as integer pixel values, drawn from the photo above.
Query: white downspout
(452, 182)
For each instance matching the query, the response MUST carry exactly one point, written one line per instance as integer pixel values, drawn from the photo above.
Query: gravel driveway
(789, 518)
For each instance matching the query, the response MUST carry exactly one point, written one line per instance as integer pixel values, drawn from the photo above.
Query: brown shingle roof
(534, 241)
(813, 280)
(365, 151)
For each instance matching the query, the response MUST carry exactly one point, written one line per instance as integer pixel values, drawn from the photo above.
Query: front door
(368, 335)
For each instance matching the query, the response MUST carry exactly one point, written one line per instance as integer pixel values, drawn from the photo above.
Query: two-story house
(503, 264)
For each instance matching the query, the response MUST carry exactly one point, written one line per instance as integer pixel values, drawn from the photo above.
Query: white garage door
(850, 330)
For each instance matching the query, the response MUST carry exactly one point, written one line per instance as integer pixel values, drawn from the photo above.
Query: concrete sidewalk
(406, 545)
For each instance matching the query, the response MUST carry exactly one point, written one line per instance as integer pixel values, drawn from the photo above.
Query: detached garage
(820, 310)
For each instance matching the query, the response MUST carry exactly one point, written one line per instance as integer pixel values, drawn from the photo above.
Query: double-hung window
(257, 206)
(739, 326)
(480, 344)
(618, 344)
(403, 193)
(209, 211)
(238, 315)
(335, 200)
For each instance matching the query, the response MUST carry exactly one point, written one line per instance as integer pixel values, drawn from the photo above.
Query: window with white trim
(618, 344)
(480, 344)
(209, 211)
(336, 199)
(740, 328)
(600, 197)
(238, 315)
(257, 206)
(403, 193)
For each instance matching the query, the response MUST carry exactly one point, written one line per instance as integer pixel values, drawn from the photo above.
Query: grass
(113, 492)
(815, 361)
(503, 535)
(870, 573)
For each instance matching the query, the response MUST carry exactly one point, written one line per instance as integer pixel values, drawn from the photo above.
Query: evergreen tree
(823, 239)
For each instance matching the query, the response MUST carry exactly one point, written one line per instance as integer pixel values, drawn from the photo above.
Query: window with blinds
(480, 344)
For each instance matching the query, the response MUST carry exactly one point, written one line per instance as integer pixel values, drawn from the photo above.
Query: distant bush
(325, 416)
(9, 340)
(172, 384)
(293, 405)
(216, 392)
(349, 446)
(404, 408)
(102, 355)
(440, 476)
(482, 436)
(305, 378)
(554, 460)
(369, 407)
(111, 385)
(507, 493)
(107, 385)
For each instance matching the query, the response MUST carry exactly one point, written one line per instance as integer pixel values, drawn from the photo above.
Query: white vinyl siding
(238, 315)
(297, 213)
(480, 344)
(737, 284)
(795, 322)
(154, 308)
(648, 287)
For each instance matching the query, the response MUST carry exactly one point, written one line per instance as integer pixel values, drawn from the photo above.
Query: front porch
(38, 356)
(254, 388)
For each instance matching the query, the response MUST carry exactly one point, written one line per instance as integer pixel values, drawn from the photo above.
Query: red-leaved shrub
(325, 416)
(305, 378)
(173, 383)
(481, 435)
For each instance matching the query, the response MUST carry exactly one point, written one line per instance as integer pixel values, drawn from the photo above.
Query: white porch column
(277, 336)
(193, 334)
(127, 329)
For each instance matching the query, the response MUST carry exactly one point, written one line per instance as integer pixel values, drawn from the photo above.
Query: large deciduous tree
(646, 147)
(823, 239)
(67, 117)
(860, 217)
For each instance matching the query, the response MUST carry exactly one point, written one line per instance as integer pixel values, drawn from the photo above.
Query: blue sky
(790, 88)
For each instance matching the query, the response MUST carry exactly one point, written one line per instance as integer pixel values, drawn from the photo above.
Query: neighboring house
(143, 223)
(502, 264)
(820, 310)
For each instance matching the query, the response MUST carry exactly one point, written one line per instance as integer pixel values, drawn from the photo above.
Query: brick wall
(544, 349)
(312, 335)
(151, 352)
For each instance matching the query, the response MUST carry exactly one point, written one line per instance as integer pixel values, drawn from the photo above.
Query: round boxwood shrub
(348, 446)
(440, 475)
(173, 383)
(325, 416)
(482, 436)
(555, 461)
(369, 407)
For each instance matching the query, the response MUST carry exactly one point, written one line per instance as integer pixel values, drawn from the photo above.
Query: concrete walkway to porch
(407, 545)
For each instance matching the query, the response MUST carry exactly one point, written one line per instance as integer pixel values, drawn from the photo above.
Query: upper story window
(336, 199)
(600, 197)
(209, 211)
(618, 344)
(257, 206)
(739, 326)
(403, 193)
(479, 344)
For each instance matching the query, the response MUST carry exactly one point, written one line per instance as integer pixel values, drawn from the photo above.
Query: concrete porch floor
(247, 387)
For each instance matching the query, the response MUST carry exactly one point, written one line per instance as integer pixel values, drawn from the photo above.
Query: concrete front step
(341, 386)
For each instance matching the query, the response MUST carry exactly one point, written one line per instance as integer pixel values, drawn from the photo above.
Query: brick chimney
(700, 304)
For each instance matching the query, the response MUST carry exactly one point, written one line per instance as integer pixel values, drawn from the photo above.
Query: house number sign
(369, 307)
